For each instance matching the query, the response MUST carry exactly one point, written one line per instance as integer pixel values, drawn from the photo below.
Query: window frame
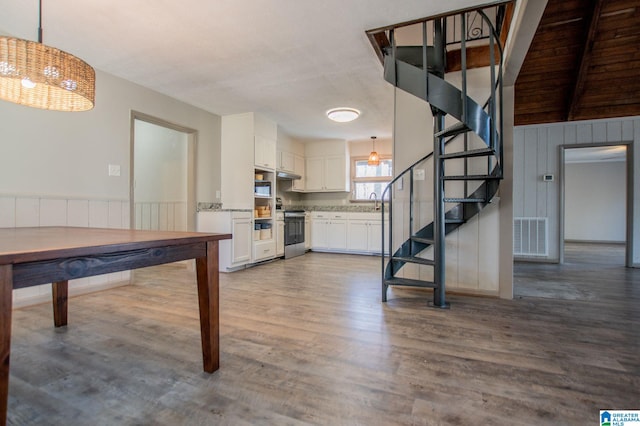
(355, 179)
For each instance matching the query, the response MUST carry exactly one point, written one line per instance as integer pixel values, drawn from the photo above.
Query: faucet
(375, 198)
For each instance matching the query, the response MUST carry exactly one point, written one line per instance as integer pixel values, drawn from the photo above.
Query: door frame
(192, 145)
(629, 199)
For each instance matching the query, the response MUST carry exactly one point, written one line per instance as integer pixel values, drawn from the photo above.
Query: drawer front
(264, 249)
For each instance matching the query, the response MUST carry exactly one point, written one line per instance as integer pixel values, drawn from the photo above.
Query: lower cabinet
(236, 252)
(263, 250)
(279, 237)
(307, 231)
(328, 231)
(347, 232)
(365, 235)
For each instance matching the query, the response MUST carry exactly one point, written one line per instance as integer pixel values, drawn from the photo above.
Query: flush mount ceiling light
(374, 158)
(343, 115)
(41, 76)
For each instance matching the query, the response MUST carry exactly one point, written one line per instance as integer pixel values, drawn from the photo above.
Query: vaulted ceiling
(293, 60)
(583, 63)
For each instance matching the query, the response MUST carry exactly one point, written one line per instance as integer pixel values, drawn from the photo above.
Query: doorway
(162, 191)
(595, 202)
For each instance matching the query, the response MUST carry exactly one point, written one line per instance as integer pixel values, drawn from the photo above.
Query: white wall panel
(7, 212)
(27, 212)
(529, 165)
(53, 212)
(98, 214)
(16, 211)
(114, 219)
(614, 131)
(78, 213)
(599, 132)
(584, 133)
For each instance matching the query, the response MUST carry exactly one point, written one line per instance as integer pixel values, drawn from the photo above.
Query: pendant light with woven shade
(374, 158)
(40, 76)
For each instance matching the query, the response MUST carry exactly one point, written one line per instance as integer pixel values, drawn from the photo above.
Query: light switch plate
(418, 174)
(114, 170)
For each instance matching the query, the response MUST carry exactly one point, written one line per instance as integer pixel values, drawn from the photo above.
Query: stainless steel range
(293, 233)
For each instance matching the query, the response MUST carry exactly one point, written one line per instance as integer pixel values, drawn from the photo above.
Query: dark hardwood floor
(307, 341)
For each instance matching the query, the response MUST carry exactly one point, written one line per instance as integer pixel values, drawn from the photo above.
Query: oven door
(293, 230)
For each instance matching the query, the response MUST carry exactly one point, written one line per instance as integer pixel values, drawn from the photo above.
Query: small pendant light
(374, 158)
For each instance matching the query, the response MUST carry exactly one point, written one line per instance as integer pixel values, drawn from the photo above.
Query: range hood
(287, 175)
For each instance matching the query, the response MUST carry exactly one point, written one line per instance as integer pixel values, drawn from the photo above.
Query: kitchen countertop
(358, 208)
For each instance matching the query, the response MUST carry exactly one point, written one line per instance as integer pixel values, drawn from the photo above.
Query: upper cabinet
(248, 142)
(266, 135)
(298, 168)
(287, 161)
(327, 166)
(265, 153)
(290, 156)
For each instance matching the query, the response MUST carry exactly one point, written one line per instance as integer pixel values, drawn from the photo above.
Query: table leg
(208, 301)
(6, 294)
(60, 293)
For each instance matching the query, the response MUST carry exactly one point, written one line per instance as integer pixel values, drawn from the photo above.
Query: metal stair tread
(471, 153)
(470, 177)
(465, 200)
(413, 259)
(422, 240)
(456, 129)
(410, 282)
(447, 221)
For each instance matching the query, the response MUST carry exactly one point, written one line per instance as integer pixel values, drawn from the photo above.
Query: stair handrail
(495, 144)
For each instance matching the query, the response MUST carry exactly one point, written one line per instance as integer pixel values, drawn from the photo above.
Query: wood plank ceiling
(583, 63)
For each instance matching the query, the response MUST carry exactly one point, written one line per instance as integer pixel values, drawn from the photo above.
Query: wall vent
(530, 236)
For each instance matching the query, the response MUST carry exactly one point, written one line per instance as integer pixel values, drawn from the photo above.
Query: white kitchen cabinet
(265, 152)
(287, 161)
(358, 236)
(365, 233)
(314, 174)
(326, 174)
(327, 166)
(328, 231)
(280, 237)
(236, 252)
(241, 242)
(264, 249)
(246, 140)
(307, 231)
(298, 185)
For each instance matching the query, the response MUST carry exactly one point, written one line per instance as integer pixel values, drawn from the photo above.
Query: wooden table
(33, 256)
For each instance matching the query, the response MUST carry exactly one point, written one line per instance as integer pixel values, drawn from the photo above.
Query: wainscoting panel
(161, 215)
(17, 211)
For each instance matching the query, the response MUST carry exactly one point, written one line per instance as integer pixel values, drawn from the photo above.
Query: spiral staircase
(466, 160)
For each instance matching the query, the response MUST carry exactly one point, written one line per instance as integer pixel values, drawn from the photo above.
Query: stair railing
(494, 134)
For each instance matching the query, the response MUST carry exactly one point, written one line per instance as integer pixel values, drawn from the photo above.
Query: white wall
(65, 154)
(595, 201)
(160, 163)
(53, 165)
(537, 152)
(472, 251)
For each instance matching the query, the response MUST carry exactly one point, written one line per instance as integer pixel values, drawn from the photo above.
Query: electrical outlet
(217, 194)
(114, 170)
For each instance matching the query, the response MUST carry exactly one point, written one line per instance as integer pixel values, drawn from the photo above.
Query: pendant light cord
(40, 22)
